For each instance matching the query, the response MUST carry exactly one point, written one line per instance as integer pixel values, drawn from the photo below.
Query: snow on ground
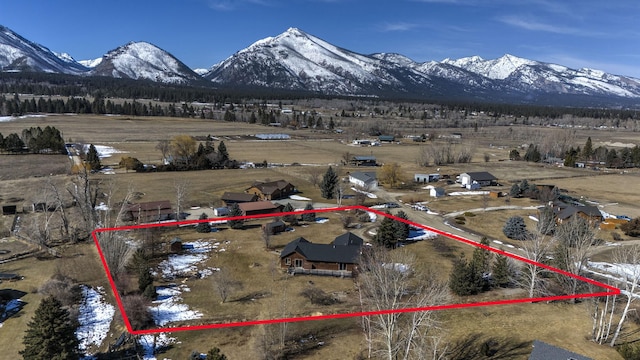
(372, 216)
(298, 197)
(628, 270)
(187, 263)
(466, 193)
(369, 195)
(12, 118)
(420, 234)
(104, 151)
(95, 318)
(168, 307)
(153, 343)
(321, 220)
(12, 307)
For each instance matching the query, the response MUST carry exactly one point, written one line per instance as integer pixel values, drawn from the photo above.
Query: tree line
(35, 140)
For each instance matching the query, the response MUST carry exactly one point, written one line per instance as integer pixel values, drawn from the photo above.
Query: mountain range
(297, 61)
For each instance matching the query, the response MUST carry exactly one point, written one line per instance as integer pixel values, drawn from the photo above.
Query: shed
(175, 245)
(437, 192)
(426, 178)
(274, 227)
(386, 138)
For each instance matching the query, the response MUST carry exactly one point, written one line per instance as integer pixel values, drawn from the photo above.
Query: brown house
(564, 212)
(149, 212)
(272, 190)
(338, 259)
(230, 198)
(258, 208)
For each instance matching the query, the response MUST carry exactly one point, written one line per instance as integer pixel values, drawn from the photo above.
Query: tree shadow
(252, 296)
(479, 346)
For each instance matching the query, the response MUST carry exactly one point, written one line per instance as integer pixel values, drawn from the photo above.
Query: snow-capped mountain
(141, 60)
(296, 60)
(19, 54)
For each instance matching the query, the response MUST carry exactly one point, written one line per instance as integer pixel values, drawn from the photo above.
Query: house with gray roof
(340, 258)
(544, 351)
(364, 179)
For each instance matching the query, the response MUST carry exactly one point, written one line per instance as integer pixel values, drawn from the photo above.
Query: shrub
(318, 296)
(469, 214)
(631, 228)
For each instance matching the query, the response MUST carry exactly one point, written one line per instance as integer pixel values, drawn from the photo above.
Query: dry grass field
(513, 326)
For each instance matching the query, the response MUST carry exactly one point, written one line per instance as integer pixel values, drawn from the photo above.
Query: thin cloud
(400, 26)
(230, 5)
(533, 25)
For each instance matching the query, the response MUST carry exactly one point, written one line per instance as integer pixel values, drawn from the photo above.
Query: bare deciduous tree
(315, 174)
(225, 284)
(163, 146)
(574, 245)
(182, 193)
(389, 280)
(627, 255)
(538, 248)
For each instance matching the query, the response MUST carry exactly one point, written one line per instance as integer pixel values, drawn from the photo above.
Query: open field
(515, 326)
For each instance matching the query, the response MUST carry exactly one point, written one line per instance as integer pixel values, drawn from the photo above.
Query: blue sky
(598, 34)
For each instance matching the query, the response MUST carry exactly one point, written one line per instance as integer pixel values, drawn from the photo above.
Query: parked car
(391, 205)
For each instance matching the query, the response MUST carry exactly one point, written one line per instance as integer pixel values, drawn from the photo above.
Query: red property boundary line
(609, 290)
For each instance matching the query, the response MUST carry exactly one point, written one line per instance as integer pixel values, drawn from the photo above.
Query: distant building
(152, 211)
(426, 178)
(272, 190)
(364, 179)
(482, 178)
(363, 161)
(258, 207)
(230, 198)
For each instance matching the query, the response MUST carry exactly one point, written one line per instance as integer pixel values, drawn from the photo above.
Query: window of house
(342, 266)
(297, 262)
(287, 261)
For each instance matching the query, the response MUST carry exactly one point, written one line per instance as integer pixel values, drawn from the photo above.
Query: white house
(482, 178)
(364, 179)
(426, 178)
(436, 192)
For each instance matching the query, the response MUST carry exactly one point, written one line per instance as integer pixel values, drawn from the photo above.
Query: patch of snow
(297, 197)
(187, 263)
(152, 343)
(403, 268)
(498, 242)
(372, 216)
(104, 151)
(533, 218)
(321, 220)
(12, 118)
(169, 307)
(420, 234)
(368, 194)
(467, 193)
(95, 318)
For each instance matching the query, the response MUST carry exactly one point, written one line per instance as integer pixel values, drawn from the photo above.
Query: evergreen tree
(587, 151)
(501, 271)
(203, 227)
(235, 211)
(401, 228)
(223, 154)
(386, 235)
(50, 334)
(329, 184)
(93, 159)
(309, 217)
(463, 279)
(291, 219)
(515, 191)
(515, 228)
